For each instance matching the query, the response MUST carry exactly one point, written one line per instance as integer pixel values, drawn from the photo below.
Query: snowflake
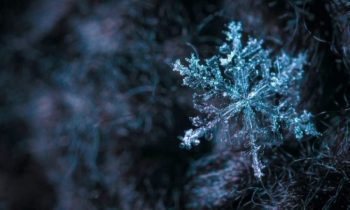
(242, 91)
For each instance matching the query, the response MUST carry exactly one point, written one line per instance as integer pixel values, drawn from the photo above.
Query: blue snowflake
(244, 94)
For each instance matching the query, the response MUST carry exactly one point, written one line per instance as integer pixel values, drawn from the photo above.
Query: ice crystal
(242, 91)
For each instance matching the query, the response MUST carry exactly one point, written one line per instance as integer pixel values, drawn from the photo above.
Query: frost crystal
(242, 91)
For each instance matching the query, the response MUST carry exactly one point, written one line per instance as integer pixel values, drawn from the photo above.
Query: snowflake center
(251, 95)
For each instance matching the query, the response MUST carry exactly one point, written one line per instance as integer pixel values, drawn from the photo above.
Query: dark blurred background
(91, 111)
